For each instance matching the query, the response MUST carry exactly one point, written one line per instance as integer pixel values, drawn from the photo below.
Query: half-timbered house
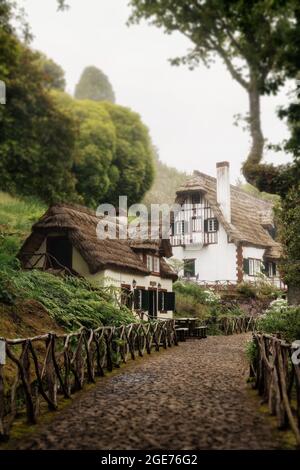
(223, 234)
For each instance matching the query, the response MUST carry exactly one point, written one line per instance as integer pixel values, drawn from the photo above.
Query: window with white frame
(153, 263)
(212, 225)
(255, 266)
(271, 269)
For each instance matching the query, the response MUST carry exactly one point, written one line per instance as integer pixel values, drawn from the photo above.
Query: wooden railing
(39, 369)
(276, 375)
(239, 324)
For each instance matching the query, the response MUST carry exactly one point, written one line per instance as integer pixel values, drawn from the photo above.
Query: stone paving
(193, 396)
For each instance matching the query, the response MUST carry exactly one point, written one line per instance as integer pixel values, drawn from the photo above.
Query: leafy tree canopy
(36, 139)
(113, 153)
(254, 38)
(53, 74)
(94, 85)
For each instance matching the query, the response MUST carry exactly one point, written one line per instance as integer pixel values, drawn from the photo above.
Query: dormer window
(153, 263)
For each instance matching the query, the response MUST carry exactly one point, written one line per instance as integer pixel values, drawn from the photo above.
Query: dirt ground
(193, 396)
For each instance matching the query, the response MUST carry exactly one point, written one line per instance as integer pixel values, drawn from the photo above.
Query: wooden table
(189, 323)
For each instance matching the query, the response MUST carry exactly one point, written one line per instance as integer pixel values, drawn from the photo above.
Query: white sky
(189, 114)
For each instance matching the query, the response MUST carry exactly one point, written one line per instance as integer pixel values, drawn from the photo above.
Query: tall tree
(113, 152)
(36, 139)
(94, 85)
(250, 36)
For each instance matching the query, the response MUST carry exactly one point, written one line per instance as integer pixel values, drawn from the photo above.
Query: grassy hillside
(33, 302)
(166, 182)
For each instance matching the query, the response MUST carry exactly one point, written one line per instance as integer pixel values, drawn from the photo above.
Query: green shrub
(265, 289)
(251, 351)
(187, 306)
(204, 296)
(7, 294)
(283, 321)
(247, 290)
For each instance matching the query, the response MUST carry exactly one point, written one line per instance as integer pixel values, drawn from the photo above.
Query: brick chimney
(223, 189)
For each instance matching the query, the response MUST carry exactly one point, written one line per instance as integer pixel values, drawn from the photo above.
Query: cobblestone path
(189, 397)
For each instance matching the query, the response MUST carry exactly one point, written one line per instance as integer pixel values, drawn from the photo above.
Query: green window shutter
(246, 265)
(145, 300)
(160, 303)
(170, 301)
(205, 225)
(274, 269)
(217, 224)
(136, 299)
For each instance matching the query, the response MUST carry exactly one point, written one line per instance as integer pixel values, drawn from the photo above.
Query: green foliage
(36, 139)
(113, 153)
(289, 234)
(160, 192)
(251, 351)
(283, 321)
(61, 149)
(94, 85)
(247, 289)
(70, 301)
(188, 306)
(252, 38)
(250, 189)
(53, 74)
(133, 158)
(194, 301)
(7, 295)
(200, 295)
(262, 289)
(16, 219)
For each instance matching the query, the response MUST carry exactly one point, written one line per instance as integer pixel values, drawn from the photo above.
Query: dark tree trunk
(257, 146)
(252, 167)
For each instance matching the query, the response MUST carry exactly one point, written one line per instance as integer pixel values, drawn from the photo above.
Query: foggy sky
(190, 114)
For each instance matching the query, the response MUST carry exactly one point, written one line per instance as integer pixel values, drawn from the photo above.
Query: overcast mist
(190, 114)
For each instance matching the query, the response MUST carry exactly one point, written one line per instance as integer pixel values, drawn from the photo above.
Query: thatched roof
(79, 224)
(250, 216)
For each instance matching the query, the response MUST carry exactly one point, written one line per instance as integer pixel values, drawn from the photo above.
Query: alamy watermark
(296, 353)
(136, 222)
(2, 92)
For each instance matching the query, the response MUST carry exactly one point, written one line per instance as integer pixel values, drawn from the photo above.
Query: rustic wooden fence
(277, 378)
(238, 324)
(39, 369)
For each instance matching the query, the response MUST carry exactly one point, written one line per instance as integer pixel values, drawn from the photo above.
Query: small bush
(204, 296)
(265, 289)
(284, 321)
(247, 290)
(187, 306)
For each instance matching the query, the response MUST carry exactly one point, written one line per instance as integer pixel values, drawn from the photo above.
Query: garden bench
(199, 332)
(182, 333)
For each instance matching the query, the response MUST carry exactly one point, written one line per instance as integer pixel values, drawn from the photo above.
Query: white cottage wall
(214, 262)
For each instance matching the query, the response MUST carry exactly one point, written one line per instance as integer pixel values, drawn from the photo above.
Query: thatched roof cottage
(65, 239)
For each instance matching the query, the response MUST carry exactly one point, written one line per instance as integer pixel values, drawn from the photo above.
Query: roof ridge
(234, 187)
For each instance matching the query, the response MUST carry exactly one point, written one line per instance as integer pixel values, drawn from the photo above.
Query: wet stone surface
(193, 396)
